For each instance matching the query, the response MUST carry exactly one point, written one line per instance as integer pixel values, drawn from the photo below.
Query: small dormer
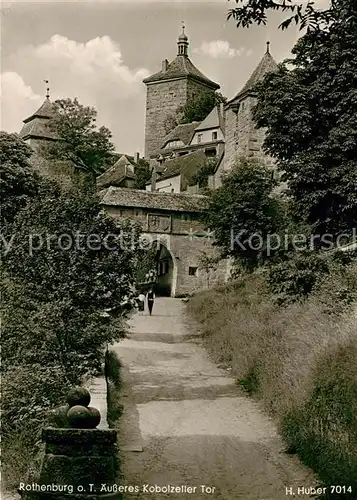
(211, 129)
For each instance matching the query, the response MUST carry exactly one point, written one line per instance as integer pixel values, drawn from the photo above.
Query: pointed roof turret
(35, 126)
(266, 65)
(180, 67)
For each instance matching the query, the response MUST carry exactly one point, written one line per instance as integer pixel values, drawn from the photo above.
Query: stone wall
(61, 172)
(231, 129)
(242, 137)
(186, 240)
(163, 99)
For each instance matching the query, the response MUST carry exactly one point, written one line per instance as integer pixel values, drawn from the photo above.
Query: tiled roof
(114, 175)
(138, 198)
(187, 166)
(36, 125)
(266, 65)
(181, 67)
(213, 120)
(45, 111)
(182, 132)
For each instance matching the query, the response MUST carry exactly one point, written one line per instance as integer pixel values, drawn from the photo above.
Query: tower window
(214, 136)
(192, 271)
(199, 138)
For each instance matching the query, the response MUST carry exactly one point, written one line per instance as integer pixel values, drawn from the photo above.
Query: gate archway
(165, 272)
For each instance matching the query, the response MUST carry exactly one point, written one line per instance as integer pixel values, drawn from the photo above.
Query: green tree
(142, 174)
(310, 113)
(304, 14)
(207, 169)
(197, 108)
(67, 248)
(19, 182)
(242, 212)
(80, 141)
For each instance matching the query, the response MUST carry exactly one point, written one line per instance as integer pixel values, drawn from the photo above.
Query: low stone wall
(75, 458)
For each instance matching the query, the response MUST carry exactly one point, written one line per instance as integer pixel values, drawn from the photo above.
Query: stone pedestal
(75, 463)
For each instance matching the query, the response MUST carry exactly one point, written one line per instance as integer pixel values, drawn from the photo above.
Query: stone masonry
(167, 90)
(173, 221)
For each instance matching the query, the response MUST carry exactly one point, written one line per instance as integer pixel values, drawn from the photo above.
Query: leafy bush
(198, 108)
(243, 211)
(300, 360)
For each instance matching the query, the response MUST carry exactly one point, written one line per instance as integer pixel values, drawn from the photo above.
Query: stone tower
(241, 136)
(35, 130)
(173, 86)
(37, 133)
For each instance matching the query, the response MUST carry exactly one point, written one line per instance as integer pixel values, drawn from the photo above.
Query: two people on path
(150, 296)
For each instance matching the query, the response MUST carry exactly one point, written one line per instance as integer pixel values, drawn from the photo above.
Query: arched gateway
(172, 222)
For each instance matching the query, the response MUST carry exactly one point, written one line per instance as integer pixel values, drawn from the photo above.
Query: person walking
(150, 297)
(141, 303)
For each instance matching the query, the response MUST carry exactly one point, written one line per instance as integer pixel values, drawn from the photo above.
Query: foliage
(242, 212)
(310, 113)
(142, 174)
(80, 141)
(197, 108)
(207, 169)
(294, 279)
(67, 249)
(170, 122)
(18, 182)
(146, 261)
(299, 360)
(68, 264)
(303, 14)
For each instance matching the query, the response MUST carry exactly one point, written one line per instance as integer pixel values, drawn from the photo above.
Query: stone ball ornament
(95, 415)
(79, 414)
(78, 396)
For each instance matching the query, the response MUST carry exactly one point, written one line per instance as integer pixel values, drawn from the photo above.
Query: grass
(114, 386)
(301, 361)
(17, 453)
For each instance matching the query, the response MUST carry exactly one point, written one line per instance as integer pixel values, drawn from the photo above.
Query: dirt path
(193, 425)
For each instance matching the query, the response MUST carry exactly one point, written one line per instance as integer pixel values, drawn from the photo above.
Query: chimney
(136, 157)
(165, 65)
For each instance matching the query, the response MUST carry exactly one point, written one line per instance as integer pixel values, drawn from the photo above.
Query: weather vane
(48, 89)
(183, 26)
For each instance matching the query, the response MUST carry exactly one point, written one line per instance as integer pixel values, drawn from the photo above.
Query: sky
(101, 51)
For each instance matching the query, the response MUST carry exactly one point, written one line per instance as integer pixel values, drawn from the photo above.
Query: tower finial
(183, 42)
(47, 90)
(268, 47)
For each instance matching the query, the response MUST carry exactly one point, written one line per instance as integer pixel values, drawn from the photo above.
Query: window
(192, 271)
(199, 138)
(214, 136)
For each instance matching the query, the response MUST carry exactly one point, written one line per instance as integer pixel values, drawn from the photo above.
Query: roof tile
(181, 67)
(137, 198)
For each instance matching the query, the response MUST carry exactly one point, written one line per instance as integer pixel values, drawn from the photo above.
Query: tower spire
(183, 42)
(47, 89)
(268, 47)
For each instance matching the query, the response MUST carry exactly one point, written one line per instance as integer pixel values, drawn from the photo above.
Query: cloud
(18, 101)
(96, 65)
(94, 71)
(221, 49)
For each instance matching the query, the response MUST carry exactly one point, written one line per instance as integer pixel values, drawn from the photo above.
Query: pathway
(186, 423)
